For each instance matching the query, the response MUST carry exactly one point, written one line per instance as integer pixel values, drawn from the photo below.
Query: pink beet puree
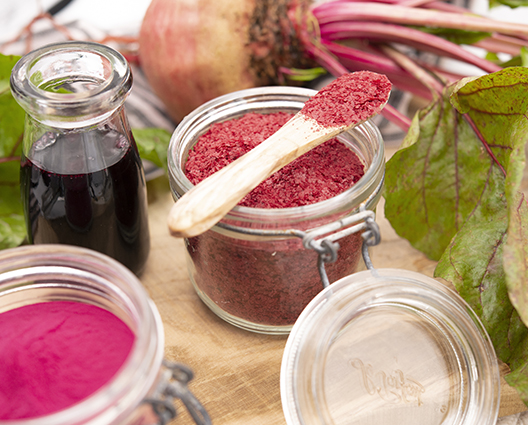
(55, 354)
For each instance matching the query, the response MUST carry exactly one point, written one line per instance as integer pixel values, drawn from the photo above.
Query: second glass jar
(142, 391)
(259, 282)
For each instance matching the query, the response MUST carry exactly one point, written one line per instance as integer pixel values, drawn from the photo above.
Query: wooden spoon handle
(206, 203)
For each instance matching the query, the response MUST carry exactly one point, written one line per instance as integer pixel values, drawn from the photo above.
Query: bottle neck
(78, 150)
(71, 85)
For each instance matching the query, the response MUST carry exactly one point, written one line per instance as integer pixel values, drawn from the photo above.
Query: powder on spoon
(349, 99)
(55, 354)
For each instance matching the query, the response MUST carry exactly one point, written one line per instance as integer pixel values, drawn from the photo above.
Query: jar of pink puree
(259, 267)
(82, 343)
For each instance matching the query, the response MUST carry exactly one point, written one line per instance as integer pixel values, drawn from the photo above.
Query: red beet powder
(269, 282)
(56, 354)
(352, 98)
(320, 174)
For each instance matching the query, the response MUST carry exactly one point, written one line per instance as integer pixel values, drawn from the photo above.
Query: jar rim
(243, 99)
(106, 70)
(380, 325)
(21, 267)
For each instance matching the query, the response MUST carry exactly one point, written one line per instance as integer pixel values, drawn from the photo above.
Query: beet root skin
(194, 51)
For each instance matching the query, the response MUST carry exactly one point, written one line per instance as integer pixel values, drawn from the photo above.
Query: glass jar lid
(389, 347)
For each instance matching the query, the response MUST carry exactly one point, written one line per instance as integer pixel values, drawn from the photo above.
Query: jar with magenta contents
(82, 343)
(259, 266)
(81, 176)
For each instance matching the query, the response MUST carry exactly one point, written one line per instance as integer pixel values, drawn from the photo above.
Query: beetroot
(194, 51)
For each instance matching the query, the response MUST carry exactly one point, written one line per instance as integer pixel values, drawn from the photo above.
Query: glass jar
(143, 386)
(389, 347)
(260, 282)
(81, 176)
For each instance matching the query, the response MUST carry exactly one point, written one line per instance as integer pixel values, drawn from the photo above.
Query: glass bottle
(259, 282)
(81, 177)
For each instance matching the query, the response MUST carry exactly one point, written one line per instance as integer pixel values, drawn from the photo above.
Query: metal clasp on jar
(174, 386)
(327, 246)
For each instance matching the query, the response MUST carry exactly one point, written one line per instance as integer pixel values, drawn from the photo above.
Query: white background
(115, 17)
(124, 16)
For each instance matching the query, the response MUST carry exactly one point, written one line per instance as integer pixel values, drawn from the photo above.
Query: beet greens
(392, 36)
(457, 178)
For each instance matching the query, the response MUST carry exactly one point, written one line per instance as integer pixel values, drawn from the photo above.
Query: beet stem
(366, 11)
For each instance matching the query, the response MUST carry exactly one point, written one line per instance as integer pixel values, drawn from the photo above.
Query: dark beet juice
(87, 189)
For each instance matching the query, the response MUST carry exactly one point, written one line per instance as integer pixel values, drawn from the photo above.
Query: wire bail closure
(326, 246)
(175, 386)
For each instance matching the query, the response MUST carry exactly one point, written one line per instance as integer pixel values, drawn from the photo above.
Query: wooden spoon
(346, 102)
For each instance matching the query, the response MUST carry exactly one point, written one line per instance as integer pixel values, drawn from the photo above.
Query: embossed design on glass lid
(389, 347)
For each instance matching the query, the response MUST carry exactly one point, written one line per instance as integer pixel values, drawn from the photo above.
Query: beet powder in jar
(255, 281)
(81, 343)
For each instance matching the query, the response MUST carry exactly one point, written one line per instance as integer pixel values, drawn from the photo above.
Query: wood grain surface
(237, 372)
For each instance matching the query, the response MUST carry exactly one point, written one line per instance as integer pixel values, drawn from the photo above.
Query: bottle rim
(106, 70)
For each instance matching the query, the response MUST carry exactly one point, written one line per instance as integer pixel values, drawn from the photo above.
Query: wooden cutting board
(237, 372)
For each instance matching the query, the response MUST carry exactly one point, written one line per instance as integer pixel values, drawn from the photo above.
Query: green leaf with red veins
(473, 263)
(515, 266)
(12, 227)
(515, 257)
(498, 106)
(486, 259)
(427, 195)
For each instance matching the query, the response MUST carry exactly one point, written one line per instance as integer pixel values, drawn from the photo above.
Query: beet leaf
(12, 227)
(458, 180)
(457, 36)
(510, 3)
(152, 144)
